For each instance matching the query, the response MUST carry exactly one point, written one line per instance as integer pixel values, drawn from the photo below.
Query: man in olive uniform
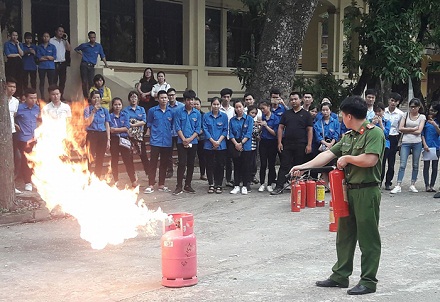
(360, 154)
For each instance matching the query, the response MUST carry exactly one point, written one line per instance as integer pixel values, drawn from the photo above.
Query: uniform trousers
(97, 142)
(362, 225)
(187, 157)
(155, 152)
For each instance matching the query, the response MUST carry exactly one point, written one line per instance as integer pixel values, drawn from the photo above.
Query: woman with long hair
(119, 144)
(411, 127)
(240, 134)
(138, 119)
(430, 141)
(160, 85)
(268, 146)
(97, 119)
(104, 91)
(215, 128)
(144, 87)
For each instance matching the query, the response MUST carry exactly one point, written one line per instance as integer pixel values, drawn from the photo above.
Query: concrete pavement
(250, 248)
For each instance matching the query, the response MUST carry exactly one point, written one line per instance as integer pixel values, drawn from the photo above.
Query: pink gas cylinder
(179, 253)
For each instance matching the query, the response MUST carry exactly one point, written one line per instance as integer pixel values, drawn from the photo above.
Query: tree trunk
(283, 34)
(7, 191)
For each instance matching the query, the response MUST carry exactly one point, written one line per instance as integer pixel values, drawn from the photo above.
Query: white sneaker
(413, 189)
(148, 190)
(262, 188)
(269, 189)
(397, 189)
(28, 187)
(244, 191)
(17, 191)
(235, 190)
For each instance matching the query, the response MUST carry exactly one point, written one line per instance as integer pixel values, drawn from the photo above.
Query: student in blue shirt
(430, 139)
(240, 134)
(384, 124)
(268, 146)
(119, 125)
(89, 52)
(29, 65)
(278, 106)
(138, 120)
(46, 54)
(215, 128)
(13, 66)
(187, 123)
(201, 144)
(159, 123)
(97, 119)
(26, 119)
(174, 105)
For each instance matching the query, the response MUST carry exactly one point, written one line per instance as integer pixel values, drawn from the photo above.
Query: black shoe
(255, 181)
(330, 283)
(388, 187)
(230, 184)
(203, 177)
(188, 189)
(169, 174)
(177, 191)
(277, 191)
(360, 290)
(248, 187)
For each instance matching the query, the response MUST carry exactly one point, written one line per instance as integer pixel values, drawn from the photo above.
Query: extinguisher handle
(320, 169)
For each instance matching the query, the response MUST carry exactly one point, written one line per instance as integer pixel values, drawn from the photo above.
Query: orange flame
(106, 214)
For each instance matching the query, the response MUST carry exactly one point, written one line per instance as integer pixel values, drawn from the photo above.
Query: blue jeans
(405, 149)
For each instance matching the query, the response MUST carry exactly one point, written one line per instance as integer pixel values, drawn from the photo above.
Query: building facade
(197, 43)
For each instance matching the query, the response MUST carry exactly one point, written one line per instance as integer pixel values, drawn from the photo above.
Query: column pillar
(26, 16)
(139, 19)
(311, 50)
(332, 41)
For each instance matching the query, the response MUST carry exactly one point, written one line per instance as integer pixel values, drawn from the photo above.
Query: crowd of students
(228, 138)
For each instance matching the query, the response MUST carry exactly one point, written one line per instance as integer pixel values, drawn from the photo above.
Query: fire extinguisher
(339, 193)
(311, 193)
(320, 193)
(332, 222)
(295, 197)
(303, 193)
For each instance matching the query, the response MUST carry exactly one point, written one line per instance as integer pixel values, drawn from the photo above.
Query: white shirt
(370, 114)
(230, 112)
(62, 111)
(258, 116)
(61, 49)
(394, 118)
(13, 108)
(157, 87)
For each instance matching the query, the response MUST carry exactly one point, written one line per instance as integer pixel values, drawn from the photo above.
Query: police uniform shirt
(214, 127)
(369, 140)
(188, 123)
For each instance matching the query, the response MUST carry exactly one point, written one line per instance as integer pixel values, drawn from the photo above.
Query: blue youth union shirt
(160, 124)
(214, 127)
(101, 117)
(188, 123)
(26, 119)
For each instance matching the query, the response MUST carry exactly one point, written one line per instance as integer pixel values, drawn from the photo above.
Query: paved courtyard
(250, 248)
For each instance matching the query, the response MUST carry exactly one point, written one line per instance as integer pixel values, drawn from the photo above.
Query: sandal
(211, 190)
(219, 190)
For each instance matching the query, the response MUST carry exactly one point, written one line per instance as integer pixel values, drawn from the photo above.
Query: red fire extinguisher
(302, 183)
(332, 222)
(311, 193)
(295, 197)
(339, 193)
(320, 193)
(179, 254)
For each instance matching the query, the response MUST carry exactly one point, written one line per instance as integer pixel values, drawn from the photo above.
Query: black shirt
(295, 126)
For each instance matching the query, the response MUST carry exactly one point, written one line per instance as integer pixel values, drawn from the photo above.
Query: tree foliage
(392, 37)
